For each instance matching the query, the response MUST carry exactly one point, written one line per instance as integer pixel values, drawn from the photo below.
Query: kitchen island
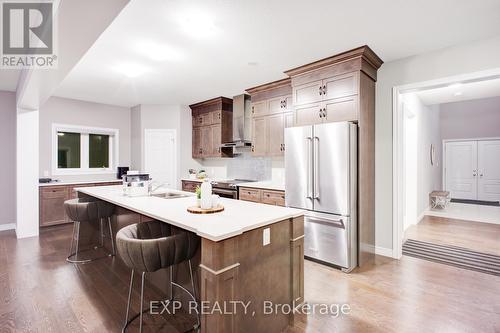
(251, 260)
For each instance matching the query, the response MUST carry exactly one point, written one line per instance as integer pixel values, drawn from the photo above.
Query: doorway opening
(447, 163)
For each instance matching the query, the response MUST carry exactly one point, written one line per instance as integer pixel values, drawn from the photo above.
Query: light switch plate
(266, 237)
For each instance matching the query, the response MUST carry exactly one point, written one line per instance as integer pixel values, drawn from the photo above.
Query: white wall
(422, 128)
(461, 59)
(72, 112)
(175, 117)
(8, 153)
(472, 119)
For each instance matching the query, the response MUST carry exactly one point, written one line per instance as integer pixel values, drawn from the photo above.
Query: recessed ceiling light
(158, 52)
(455, 85)
(197, 23)
(457, 93)
(253, 63)
(131, 70)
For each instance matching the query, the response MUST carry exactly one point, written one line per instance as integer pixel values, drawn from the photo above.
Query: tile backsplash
(245, 166)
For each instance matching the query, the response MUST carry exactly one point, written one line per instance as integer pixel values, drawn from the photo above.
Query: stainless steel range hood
(242, 123)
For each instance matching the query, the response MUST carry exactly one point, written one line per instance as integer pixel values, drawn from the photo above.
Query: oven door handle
(222, 191)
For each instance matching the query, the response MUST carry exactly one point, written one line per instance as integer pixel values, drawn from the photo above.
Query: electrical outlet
(266, 237)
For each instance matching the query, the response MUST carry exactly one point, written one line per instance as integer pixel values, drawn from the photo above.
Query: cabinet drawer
(341, 86)
(276, 198)
(260, 109)
(54, 192)
(307, 93)
(250, 194)
(216, 117)
(342, 109)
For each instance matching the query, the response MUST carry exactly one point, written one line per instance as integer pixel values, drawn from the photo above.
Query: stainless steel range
(227, 188)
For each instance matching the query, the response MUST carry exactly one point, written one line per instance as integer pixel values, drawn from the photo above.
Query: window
(83, 150)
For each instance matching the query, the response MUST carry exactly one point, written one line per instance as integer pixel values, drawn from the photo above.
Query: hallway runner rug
(453, 256)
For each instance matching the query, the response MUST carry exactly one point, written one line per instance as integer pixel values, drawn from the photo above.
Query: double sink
(170, 195)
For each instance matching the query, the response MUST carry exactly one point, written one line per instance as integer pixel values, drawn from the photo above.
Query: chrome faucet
(152, 189)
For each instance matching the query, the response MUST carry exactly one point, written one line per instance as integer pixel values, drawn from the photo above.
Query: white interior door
(461, 169)
(489, 170)
(160, 156)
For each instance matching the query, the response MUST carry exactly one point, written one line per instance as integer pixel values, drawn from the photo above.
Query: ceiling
(460, 92)
(181, 52)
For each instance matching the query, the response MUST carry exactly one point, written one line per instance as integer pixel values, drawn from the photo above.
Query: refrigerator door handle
(310, 194)
(316, 169)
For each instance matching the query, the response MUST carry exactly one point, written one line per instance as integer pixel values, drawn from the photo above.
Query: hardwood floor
(40, 292)
(476, 236)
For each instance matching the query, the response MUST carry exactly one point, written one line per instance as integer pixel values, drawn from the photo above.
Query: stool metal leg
(171, 284)
(129, 296)
(142, 300)
(73, 256)
(113, 253)
(101, 232)
(194, 293)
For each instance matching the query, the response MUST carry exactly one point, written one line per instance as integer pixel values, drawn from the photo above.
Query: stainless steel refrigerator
(321, 177)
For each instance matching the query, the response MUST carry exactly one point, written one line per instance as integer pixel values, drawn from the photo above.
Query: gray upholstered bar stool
(86, 210)
(150, 246)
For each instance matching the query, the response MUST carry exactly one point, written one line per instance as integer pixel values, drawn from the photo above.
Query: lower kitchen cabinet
(51, 201)
(270, 197)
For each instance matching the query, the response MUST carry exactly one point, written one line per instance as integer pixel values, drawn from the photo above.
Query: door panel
(307, 93)
(197, 143)
(308, 114)
(206, 141)
(259, 109)
(342, 109)
(276, 105)
(489, 170)
(259, 133)
(341, 86)
(331, 168)
(160, 156)
(216, 140)
(276, 128)
(461, 169)
(298, 167)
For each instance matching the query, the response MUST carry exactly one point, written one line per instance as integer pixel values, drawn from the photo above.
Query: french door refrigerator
(321, 177)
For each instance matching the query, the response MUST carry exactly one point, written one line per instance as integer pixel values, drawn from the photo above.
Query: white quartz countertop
(267, 185)
(79, 182)
(237, 217)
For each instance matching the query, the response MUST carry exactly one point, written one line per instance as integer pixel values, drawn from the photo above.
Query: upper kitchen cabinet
(271, 113)
(330, 90)
(212, 125)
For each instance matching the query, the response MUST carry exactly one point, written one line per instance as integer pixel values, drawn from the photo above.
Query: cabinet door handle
(320, 90)
(253, 109)
(324, 112)
(324, 89)
(321, 113)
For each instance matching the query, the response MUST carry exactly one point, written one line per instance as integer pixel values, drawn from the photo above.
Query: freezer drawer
(326, 239)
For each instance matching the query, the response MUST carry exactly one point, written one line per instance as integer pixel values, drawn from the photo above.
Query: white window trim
(84, 158)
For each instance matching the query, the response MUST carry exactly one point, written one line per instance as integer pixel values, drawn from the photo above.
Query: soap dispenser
(206, 195)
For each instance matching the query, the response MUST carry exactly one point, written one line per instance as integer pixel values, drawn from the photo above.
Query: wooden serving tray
(198, 210)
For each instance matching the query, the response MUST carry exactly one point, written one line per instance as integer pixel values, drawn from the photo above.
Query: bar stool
(150, 246)
(86, 210)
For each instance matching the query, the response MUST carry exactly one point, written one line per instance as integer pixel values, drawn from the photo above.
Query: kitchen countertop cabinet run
(52, 197)
(270, 197)
(212, 125)
(271, 114)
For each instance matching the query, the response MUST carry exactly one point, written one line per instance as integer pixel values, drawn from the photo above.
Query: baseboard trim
(424, 213)
(383, 251)
(7, 226)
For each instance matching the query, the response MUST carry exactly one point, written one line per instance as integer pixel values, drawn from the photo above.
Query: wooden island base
(240, 270)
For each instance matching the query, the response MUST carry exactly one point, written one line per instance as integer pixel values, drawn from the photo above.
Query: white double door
(472, 169)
